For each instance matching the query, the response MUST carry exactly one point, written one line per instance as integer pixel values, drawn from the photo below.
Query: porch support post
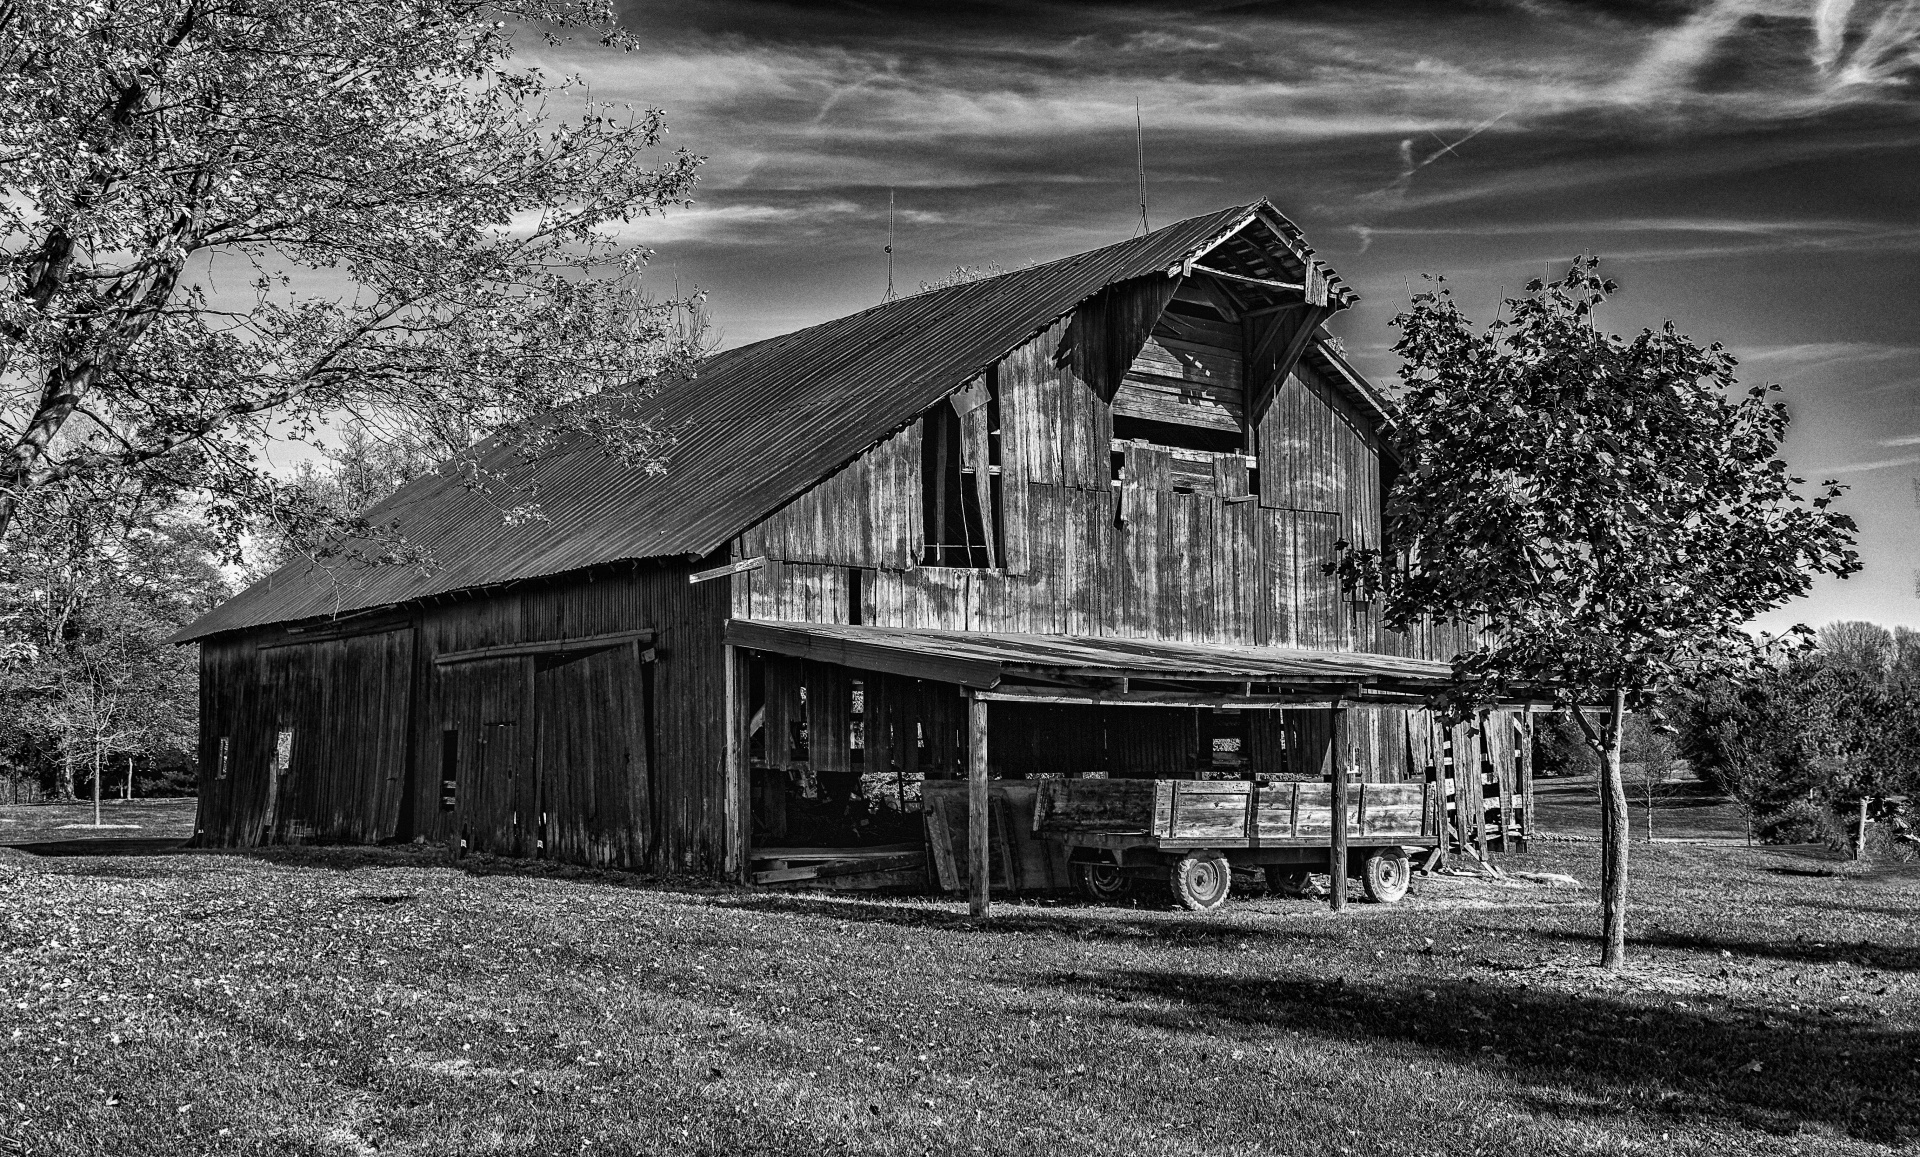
(1337, 853)
(978, 869)
(737, 802)
(1526, 777)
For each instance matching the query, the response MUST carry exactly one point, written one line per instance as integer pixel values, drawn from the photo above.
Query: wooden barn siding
(1138, 561)
(674, 819)
(345, 702)
(680, 821)
(1190, 567)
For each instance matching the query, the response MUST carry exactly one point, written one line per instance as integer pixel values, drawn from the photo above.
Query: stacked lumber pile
(886, 866)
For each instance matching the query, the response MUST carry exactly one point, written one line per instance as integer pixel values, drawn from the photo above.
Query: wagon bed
(1178, 814)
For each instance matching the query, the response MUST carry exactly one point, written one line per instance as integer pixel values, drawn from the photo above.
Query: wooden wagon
(1188, 835)
(1182, 838)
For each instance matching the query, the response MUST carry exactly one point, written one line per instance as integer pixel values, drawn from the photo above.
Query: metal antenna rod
(889, 294)
(1140, 165)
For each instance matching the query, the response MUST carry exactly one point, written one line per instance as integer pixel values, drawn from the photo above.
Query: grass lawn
(142, 819)
(361, 1001)
(1683, 809)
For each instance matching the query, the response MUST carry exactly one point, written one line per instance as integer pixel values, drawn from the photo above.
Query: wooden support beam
(1526, 779)
(544, 647)
(1483, 770)
(1289, 358)
(979, 871)
(1262, 282)
(1337, 851)
(1007, 694)
(732, 568)
(738, 800)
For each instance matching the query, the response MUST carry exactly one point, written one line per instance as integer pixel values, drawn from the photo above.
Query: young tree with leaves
(98, 574)
(1614, 509)
(224, 222)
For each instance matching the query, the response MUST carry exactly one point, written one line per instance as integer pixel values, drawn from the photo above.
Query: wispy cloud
(1827, 353)
(1863, 467)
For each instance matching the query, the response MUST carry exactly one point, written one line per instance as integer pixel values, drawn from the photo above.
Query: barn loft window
(960, 478)
(1183, 398)
(1185, 387)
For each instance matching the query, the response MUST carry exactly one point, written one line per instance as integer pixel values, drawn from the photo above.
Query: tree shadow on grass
(1079, 921)
(1890, 957)
(1667, 1062)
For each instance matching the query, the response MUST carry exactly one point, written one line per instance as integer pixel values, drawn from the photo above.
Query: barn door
(486, 715)
(591, 761)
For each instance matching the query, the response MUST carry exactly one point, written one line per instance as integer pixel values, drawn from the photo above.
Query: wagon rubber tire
(1386, 874)
(1102, 883)
(1201, 880)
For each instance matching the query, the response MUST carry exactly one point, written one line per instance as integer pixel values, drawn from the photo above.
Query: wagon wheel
(1386, 874)
(1102, 883)
(1201, 880)
(1287, 879)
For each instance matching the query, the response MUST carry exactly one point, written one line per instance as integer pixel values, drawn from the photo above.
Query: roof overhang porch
(1070, 669)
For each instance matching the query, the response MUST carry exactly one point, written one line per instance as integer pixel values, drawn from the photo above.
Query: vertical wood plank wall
(1148, 558)
(381, 777)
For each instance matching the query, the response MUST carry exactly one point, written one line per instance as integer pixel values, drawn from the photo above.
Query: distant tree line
(1800, 741)
(95, 581)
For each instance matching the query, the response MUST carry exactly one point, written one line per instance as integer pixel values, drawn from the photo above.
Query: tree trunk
(1613, 841)
(99, 761)
(66, 769)
(129, 794)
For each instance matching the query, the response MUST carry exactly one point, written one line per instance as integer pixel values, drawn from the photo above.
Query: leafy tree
(1558, 746)
(1645, 744)
(1614, 508)
(1860, 645)
(229, 221)
(94, 581)
(348, 477)
(1906, 650)
(1790, 734)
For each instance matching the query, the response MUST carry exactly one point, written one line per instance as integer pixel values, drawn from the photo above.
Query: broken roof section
(763, 423)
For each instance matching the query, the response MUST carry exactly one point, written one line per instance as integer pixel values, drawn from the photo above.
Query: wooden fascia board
(1366, 391)
(796, 640)
(1181, 268)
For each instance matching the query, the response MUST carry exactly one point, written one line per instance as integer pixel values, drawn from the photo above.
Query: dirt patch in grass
(376, 1000)
(147, 819)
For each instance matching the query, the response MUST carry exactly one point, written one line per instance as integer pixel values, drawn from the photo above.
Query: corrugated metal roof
(982, 658)
(760, 424)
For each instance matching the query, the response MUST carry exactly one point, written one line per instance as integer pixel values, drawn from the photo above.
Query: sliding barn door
(486, 724)
(591, 756)
(329, 757)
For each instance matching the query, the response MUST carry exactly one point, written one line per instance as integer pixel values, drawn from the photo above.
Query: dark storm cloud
(1746, 166)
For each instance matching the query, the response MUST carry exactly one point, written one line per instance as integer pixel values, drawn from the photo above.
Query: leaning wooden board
(1019, 858)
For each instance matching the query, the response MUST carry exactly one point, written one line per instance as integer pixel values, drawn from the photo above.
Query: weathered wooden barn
(1071, 520)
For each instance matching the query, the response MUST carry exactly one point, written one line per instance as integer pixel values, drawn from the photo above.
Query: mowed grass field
(322, 1001)
(133, 819)
(1684, 808)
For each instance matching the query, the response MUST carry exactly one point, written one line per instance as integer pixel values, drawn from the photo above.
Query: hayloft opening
(960, 478)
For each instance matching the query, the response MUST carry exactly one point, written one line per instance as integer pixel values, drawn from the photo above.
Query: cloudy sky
(1744, 167)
